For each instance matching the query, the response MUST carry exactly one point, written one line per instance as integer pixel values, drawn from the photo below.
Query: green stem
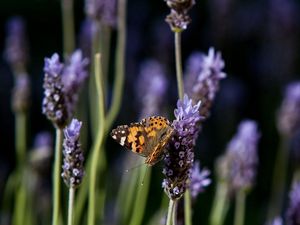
(56, 175)
(279, 179)
(21, 138)
(178, 64)
(68, 26)
(99, 141)
(174, 214)
(141, 196)
(70, 205)
(220, 204)
(187, 208)
(20, 206)
(240, 202)
(170, 212)
(120, 65)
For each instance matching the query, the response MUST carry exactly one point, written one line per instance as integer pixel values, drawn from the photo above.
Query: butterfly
(147, 138)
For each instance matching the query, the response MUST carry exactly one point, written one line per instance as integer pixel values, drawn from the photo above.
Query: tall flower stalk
(178, 19)
(99, 141)
(236, 171)
(179, 156)
(288, 123)
(67, 8)
(61, 87)
(73, 163)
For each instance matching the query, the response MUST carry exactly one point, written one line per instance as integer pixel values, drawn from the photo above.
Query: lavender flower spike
(73, 77)
(203, 76)
(293, 212)
(179, 157)
(288, 118)
(16, 46)
(54, 102)
(238, 166)
(199, 180)
(73, 170)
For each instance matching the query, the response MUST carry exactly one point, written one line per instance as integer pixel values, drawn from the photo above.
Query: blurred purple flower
(293, 211)
(202, 78)
(85, 37)
(276, 221)
(75, 73)
(73, 170)
(288, 117)
(199, 180)
(238, 166)
(16, 46)
(179, 157)
(43, 139)
(103, 10)
(151, 88)
(21, 93)
(54, 103)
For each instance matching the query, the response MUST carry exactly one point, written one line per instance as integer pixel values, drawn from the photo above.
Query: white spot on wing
(114, 137)
(122, 141)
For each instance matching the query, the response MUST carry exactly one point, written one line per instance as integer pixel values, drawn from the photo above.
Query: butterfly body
(147, 138)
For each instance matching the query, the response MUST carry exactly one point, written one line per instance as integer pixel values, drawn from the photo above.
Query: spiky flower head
(151, 88)
(21, 93)
(238, 166)
(293, 212)
(16, 45)
(288, 117)
(73, 77)
(178, 19)
(199, 180)
(73, 170)
(179, 156)
(202, 78)
(54, 102)
(102, 10)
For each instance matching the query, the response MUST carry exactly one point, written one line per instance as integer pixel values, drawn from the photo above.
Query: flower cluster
(202, 78)
(73, 170)
(288, 119)
(238, 166)
(102, 10)
(199, 180)
(178, 19)
(61, 87)
(179, 157)
(293, 212)
(16, 46)
(152, 86)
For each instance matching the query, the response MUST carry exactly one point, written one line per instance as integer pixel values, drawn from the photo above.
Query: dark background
(259, 41)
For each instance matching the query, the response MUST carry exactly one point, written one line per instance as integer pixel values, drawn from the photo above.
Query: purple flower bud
(288, 118)
(85, 37)
(73, 170)
(179, 156)
(202, 78)
(178, 19)
(199, 180)
(54, 102)
(16, 46)
(151, 88)
(293, 212)
(238, 166)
